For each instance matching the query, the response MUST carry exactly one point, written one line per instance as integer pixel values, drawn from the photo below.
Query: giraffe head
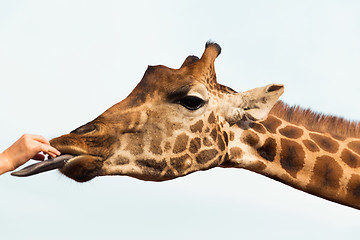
(173, 123)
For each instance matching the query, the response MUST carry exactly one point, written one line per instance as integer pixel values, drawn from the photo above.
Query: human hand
(26, 148)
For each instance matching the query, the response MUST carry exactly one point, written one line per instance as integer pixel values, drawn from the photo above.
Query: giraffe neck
(322, 164)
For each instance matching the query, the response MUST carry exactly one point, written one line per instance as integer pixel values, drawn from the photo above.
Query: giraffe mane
(336, 126)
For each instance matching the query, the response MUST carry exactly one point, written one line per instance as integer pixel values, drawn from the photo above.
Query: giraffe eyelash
(191, 102)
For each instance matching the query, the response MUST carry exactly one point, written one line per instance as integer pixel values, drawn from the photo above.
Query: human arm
(26, 148)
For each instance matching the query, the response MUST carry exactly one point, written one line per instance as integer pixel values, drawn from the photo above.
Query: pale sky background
(62, 63)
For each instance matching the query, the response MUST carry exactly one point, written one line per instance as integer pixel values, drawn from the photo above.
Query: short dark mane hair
(336, 126)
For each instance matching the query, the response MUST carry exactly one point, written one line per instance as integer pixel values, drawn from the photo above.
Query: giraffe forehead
(198, 80)
(166, 78)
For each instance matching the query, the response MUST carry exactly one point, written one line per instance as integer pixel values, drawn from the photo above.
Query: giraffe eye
(191, 102)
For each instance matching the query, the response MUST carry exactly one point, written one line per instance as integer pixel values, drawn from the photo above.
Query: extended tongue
(43, 166)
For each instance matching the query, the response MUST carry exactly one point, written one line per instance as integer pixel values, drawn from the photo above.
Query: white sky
(62, 63)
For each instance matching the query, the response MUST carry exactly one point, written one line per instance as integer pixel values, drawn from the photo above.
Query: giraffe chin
(82, 168)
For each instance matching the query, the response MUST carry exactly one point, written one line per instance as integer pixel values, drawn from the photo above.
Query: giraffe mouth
(44, 166)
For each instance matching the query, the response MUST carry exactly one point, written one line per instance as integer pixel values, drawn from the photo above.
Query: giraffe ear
(255, 104)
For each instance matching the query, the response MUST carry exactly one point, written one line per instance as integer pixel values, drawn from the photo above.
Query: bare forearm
(5, 164)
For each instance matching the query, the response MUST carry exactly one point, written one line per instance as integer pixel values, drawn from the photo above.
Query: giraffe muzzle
(43, 166)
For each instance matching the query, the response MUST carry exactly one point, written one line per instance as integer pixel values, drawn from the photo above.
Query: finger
(39, 139)
(50, 150)
(52, 155)
(39, 157)
(54, 150)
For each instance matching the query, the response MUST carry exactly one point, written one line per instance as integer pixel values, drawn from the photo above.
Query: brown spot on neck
(291, 132)
(353, 189)
(271, 124)
(326, 143)
(292, 157)
(256, 166)
(326, 176)
(236, 153)
(350, 158)
(268, 150)
(249, 138)
(258, 128)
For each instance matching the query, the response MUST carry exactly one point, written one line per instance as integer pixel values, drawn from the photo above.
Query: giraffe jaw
(82, 168)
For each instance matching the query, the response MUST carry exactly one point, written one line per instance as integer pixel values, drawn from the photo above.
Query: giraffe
(178, 121)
